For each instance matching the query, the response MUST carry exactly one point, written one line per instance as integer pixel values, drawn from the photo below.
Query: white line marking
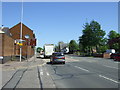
(41, 70)
(116, 62)
(108, 78)
(110, 67)
(82, 69)
(76, 60)
(41, 73)
(48, 74)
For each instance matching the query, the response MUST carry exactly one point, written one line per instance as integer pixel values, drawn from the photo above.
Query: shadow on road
(54, 63)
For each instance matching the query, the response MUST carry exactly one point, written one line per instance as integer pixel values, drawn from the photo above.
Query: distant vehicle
(110, 51)
(57, 57)
(48, 50)
(65, 50)
(41, 55)
(115, 56)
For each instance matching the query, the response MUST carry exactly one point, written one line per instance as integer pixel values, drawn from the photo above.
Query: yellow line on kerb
(23, 67)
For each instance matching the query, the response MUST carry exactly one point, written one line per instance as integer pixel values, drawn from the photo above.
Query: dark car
(57, 57)
(115, 56)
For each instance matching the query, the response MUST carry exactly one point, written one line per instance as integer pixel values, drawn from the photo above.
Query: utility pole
(21, 32)
(1, 14)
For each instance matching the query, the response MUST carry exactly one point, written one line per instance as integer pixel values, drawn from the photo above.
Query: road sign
(19, 42)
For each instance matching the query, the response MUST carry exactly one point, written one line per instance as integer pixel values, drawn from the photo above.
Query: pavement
(13, 71)
(13, 65)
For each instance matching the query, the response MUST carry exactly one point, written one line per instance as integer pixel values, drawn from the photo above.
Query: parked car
(57, 57)
(115, 56)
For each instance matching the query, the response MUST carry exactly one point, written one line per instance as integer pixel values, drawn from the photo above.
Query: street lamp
(2, 57)
(21, 32)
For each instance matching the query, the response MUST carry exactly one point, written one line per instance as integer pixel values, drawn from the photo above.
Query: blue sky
(60, 21)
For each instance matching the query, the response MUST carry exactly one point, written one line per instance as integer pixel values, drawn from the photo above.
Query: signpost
(20, 43)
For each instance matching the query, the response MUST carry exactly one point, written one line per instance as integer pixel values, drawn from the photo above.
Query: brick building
(27, 50)
(8, 46)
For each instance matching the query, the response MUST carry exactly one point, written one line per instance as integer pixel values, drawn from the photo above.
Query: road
(78, 72)
(85, 72)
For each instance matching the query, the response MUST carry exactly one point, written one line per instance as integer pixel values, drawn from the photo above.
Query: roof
(6, 30)
(20, 26)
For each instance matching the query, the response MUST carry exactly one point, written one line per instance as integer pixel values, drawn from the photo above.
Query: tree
(92, 36)
(112, 35)
(39, 49)
(73, 46)
(57, 48)
(103, 45)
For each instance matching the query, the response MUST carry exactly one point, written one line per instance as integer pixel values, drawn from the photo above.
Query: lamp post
(1, 13)
(2, 57)
(21, 32)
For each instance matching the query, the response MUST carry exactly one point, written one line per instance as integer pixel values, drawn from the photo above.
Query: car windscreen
(58, 54)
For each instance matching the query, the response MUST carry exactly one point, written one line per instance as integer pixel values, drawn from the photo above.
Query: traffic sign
(19, 42)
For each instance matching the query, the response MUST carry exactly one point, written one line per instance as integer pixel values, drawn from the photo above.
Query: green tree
(92, 36)
(39, 49)
(112, 35)
(103, 45)
(73, 46)
(57, 48)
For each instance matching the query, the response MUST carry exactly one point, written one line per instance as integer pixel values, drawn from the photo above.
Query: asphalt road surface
(85, 72)
(78, 72)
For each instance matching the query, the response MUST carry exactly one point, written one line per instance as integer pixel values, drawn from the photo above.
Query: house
(8, 42)
(28, 36)
(6, 47)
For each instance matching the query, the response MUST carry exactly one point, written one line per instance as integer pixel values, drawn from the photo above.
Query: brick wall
(15, 31)
(8, 47)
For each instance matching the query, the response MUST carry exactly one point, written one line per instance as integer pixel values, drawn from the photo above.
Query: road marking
(76, 60)
(48, 74)
(116, 62)
(110, 67)
(41, 73)
(82, 69)
(41, 70)
(108, 79)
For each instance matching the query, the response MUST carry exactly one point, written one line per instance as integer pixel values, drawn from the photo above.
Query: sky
(60, 21)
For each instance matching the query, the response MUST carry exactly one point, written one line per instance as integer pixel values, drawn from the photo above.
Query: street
(78, 72)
